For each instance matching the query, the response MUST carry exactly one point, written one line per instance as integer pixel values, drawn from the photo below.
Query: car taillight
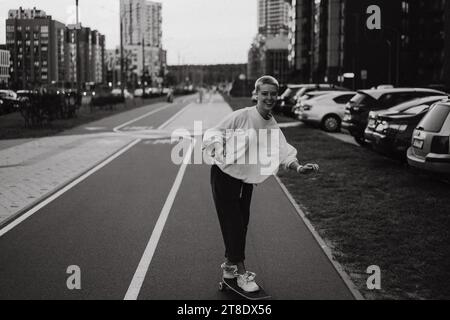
(440, 145)
(307, 107)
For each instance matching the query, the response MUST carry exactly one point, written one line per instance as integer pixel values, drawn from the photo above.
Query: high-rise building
(5, 64)
(112, 65)
(330, 38)
(89, 67)
(300, 40)
(270, 49)
(142, 22)
(97, 60)
(33, 39)
(142, 39)
(44, 51)
(273, 17)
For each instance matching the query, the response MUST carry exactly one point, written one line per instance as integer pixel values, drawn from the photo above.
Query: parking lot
(374, 210)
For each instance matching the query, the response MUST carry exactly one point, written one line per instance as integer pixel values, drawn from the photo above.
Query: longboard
(231, 284)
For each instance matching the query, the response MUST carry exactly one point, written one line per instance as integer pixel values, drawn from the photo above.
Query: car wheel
(331, 124)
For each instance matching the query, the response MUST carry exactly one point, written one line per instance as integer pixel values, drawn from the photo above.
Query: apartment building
(273, 17)
(4, 66)
(33, 39)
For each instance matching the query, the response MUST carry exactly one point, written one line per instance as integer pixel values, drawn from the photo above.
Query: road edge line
(118, 128)
(13, 221)
(147, 257)
(337, 266)
(171, 119)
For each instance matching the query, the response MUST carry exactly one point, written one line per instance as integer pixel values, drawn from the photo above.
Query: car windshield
(301, 92)
(434, 119)
(402, 107)
(362, 99)
(287, 93)
(416, 109)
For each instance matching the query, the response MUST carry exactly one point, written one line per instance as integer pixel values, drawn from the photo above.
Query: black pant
(232, 198)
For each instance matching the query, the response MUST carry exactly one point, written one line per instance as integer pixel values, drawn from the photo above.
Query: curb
(339, 269)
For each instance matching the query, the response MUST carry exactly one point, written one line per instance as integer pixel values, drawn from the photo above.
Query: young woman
(250, 133)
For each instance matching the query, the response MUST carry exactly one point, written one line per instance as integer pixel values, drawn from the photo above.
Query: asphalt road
(104, 226)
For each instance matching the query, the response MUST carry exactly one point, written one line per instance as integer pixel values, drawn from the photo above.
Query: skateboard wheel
(221, 286)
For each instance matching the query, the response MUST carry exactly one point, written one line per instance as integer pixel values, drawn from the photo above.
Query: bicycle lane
(281, 249)
(289, 262)
(101, 226)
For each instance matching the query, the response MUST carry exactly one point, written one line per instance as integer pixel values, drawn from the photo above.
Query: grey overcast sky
(194, 31)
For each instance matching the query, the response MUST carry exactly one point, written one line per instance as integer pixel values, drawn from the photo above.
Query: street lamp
(78, 33)
(122, 80)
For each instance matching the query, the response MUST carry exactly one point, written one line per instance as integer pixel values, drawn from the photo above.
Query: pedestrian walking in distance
(233, 175)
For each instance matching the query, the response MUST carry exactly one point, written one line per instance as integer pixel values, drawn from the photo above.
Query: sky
(194, 31)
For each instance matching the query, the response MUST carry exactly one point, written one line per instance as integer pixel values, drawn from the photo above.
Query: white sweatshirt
(253, 146)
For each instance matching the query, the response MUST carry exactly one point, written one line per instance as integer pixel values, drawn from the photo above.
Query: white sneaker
(229, 271)
(247, 282)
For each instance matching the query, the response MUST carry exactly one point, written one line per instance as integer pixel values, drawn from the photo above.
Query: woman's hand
(308, 168)
(216, 152)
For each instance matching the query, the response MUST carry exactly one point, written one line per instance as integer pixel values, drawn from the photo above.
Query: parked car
(118, 92)
(430, 148)
(287, 97)
(390, 131)
(9, 101)
(326, 110)
(357, 110)
(310, 95)
(139, 92)
(287, 105)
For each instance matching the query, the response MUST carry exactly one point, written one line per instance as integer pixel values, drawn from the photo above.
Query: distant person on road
(200, 95)
(233, 177)
(170, 94)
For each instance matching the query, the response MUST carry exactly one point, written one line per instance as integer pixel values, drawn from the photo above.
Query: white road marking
(53, 197)
(116, 129)
(95, 128)
(144, 264)
(165, 124)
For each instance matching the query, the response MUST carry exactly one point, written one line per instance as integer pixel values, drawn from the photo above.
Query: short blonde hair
(266, 80)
